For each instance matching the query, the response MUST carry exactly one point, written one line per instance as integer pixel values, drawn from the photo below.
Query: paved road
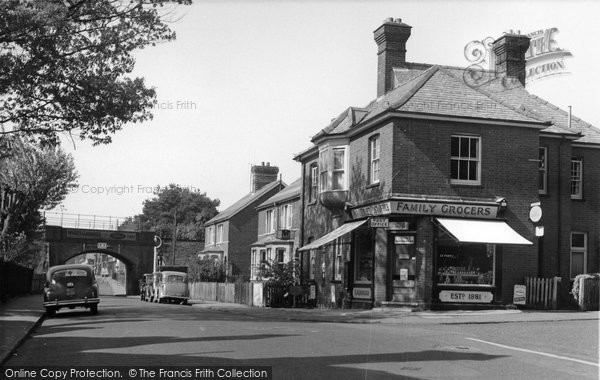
(127, 331)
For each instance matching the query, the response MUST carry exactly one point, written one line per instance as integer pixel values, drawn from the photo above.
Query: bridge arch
(134, 249)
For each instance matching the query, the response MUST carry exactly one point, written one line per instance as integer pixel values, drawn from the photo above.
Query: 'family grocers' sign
(427, 208)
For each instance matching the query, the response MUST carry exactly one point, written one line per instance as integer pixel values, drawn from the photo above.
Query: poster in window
(403, 274)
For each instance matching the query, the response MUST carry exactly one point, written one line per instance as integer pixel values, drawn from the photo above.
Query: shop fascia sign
(463, 210)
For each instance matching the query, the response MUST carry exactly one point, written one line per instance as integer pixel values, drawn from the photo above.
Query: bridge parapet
(92, 222)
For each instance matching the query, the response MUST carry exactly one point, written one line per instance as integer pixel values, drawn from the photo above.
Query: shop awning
(482, 231)
(344, 229)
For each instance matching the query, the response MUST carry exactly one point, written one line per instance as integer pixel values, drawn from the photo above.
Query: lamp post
(157, 244)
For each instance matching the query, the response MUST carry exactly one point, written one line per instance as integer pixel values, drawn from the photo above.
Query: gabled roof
(289, 193)
(456, 92)
(244, 202)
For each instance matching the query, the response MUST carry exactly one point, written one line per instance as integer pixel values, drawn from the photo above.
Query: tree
(64, 66)
(31, 178)
(176, 207)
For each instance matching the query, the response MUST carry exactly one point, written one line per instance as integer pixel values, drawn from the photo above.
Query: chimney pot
(509, 53)
(389, 19)
(398, 21)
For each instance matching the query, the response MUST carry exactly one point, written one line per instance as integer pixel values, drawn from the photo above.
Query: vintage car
(171, 286)
(72, 285)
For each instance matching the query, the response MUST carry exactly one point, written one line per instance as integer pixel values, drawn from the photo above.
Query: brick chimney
(509, 53)
(263, 175)
(391, 40)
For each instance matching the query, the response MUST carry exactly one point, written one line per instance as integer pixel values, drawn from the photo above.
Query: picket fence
(246, 293)
(542, 293)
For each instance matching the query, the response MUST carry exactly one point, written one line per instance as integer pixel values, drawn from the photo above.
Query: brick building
(278, 225)
(229, 234)
(430, 195)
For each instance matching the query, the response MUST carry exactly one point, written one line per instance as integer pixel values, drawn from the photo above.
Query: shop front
(428, 253)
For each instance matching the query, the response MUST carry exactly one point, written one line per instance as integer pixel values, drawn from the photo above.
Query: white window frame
(270, 221)
(323, 166)
(374, 155)
(543, 170)
(210, 235)
(314, 182)
(219, 238)
(283, 257)
(576, 178)
(285, 217)
(582, 250)
(477, 159)
(327, 170)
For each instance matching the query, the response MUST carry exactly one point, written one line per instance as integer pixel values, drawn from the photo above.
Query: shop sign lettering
(361, 293)
(404, 240)
(465, 296)
(379, 222)
(427, 208)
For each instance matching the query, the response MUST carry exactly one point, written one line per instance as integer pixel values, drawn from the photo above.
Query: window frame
(338, 259)
(582, 250)
(270, 221)
(314, 183)
(374, 159)
(210, 235)
(311, 264)
(459, 158)
(543, 170)
(219, 233)
(285, 217)
(577, 180)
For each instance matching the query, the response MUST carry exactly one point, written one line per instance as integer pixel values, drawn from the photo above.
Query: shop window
(337, 259)
(363, 243)
(465, 161)
(333, 163)
(220, 233)
(576, 178)
(578, 253)
(374, 153)
(311, 265)
(403, 261)
(269, 222)
(543, 171)
(314, 181)
(465, 264)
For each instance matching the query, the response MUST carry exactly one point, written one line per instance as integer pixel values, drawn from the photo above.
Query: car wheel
(50, 311)
(184, 302)
(94, 309)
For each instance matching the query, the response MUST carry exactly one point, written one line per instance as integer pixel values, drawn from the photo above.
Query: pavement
(20, 316)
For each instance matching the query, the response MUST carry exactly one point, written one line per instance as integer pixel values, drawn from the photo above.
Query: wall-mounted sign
(465, 296)
(361, 293)
(102, 246)
(535, 213)
(404, 239)
(379, 222)
(398, 226)
(313, 292)
(441, 208)
(519, 294)
(99, 235)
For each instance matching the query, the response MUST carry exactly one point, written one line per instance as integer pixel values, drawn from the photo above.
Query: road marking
(536, 352)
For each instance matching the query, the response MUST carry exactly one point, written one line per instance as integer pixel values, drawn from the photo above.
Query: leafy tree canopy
(64, 65)
(31, 178)
(189, 209)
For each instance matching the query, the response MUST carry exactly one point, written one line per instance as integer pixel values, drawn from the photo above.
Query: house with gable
(449, 188)
(278, 227)
(230, 233)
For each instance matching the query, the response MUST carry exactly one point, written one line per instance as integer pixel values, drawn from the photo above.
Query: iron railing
(93, 222)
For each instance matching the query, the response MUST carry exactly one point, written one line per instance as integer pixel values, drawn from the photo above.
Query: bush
(280, 274)
(575, 289)
(206, 270)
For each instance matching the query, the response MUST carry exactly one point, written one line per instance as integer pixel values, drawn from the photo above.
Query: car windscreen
(76, 276)
(174, 278)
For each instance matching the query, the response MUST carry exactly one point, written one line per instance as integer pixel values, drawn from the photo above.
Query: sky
(251, 81)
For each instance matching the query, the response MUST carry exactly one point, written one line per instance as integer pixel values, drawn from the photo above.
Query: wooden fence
(542, 293)
(15, 280)
(240, 292)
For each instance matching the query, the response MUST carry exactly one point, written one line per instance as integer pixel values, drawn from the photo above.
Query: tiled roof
(244, 202)
(290, 192)
(453, 91)
(270, 239)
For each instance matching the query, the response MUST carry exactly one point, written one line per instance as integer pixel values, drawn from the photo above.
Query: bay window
(333, 167)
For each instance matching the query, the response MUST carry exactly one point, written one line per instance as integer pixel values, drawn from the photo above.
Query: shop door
(402, 253)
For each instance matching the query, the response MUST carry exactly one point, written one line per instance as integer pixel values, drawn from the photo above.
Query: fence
(240, 292)
(542, 293)
(15, 280)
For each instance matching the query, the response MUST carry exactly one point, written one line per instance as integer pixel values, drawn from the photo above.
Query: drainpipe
(559, 198)
(302, 203)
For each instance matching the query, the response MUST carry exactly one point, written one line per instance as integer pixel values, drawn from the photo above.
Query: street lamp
(157, 244)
